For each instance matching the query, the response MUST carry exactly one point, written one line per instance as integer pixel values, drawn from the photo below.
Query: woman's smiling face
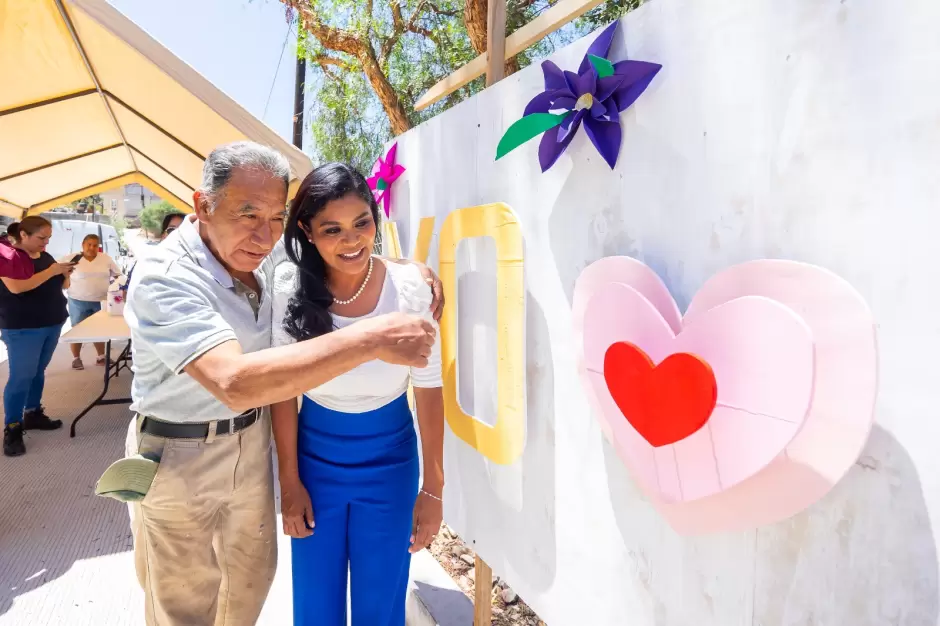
(344, 234)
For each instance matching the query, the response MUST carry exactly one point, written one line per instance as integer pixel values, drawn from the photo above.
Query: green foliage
(346, 127)
(606, 13)
(120, 225)
(91, 202)
(347, 120)
(151, 218)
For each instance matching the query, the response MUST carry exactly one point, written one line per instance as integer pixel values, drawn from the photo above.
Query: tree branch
(325, 61)
(369, 7)
(359, 47)
(435, 9)
(400, 27)
(330, 37)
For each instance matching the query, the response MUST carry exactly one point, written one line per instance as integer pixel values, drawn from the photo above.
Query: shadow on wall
(535, 556)
(599, 213)
(863, 555)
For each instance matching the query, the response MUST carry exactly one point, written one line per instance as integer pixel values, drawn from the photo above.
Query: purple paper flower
(594, 96)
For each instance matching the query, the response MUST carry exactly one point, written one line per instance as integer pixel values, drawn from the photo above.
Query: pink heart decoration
(792, 347)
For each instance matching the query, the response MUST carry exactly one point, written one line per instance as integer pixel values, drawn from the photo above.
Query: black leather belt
(198, 430)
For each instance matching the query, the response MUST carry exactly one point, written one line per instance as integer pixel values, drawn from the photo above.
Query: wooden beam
(548, 22)
(495, 41)
(483, 593)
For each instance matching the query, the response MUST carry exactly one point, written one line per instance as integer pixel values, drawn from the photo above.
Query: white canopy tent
(89, 102)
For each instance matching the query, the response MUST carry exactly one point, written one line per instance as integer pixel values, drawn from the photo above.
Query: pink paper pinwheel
(384, 173)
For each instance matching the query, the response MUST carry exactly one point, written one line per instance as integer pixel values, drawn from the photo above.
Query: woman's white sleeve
(415, 297)
(430, 376)
(284, 287)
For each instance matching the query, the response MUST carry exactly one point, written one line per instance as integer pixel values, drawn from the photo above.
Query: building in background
(127, 201)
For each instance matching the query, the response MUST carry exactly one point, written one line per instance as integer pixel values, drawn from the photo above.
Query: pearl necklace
(361, 287)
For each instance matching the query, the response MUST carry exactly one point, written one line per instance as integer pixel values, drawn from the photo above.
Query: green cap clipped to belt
(129, 479)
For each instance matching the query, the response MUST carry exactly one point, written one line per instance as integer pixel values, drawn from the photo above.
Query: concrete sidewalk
(65, 554)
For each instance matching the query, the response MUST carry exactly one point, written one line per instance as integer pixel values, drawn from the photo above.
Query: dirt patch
(457, 559)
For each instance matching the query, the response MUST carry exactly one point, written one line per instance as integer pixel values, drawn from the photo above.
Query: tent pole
(94, 78)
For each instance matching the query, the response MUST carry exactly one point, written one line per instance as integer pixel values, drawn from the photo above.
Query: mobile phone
(76, 258)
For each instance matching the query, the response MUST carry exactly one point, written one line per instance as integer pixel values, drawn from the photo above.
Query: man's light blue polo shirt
(182, 303)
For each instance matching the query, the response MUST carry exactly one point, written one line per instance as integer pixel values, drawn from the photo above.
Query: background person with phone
(32, 312)
(94, 271)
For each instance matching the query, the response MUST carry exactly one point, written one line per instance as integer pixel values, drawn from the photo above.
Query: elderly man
(199, 311)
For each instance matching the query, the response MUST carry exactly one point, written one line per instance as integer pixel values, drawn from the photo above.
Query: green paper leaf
(527, 128)
(602, 66)
(381, 185)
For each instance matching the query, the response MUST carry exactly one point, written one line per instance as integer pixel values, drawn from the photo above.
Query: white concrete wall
(799, 129)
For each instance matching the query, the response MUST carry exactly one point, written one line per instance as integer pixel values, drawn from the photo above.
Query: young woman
(89, 286)
(32, 313)
(348, 462)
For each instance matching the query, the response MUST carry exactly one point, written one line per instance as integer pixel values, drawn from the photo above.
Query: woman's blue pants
(361, 471)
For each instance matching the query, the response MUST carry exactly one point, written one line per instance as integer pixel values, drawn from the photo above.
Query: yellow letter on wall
(423, 240)
(503, 442)
(391, 244)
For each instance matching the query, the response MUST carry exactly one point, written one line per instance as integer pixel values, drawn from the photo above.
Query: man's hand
(437, 288)
(400, 339)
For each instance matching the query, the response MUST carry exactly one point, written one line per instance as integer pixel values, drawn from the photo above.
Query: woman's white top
(90, 279)
(374, 384)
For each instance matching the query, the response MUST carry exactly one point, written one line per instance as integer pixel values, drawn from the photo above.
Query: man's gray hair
(224, 160)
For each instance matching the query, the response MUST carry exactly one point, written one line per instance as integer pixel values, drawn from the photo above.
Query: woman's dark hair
(89, 237)
(169, 217)
(308, 312)
(13, 231)
(31, 225)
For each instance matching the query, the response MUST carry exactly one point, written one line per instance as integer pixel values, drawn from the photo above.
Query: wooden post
(483, 591)
(495, 41)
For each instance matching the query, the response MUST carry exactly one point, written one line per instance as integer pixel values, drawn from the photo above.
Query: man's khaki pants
(205, 541)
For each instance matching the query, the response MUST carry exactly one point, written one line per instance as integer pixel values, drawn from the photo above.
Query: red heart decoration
(665, 403)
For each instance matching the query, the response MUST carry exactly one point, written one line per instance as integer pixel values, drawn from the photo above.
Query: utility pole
(299, 80)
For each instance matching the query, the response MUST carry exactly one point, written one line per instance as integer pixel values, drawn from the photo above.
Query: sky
(236, 44)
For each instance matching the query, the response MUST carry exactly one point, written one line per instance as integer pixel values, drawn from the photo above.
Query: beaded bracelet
(431, 495)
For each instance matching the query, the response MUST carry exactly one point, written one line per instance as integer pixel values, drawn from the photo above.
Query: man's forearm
(244, 381)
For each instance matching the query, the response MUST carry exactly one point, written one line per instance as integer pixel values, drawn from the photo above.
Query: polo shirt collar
(192, 241)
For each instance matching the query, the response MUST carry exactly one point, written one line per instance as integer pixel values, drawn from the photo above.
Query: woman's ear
(303, 228)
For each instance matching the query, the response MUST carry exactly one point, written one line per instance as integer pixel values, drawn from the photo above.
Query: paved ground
(65, 554)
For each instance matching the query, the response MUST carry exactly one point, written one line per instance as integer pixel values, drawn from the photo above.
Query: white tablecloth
(99, 328)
